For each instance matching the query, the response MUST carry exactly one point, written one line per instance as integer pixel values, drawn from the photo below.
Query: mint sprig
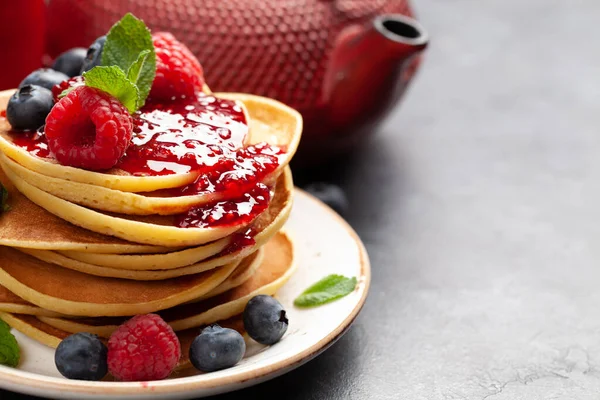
(128, 63)
(125, 42)
(10, 353)
(326, 290)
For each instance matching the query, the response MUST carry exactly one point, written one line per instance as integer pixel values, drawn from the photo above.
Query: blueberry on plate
(82, 356)
(265, 319)
(330, 194)
(44, 77)
(28, 107)
(217, 348)
(70, 62)
(93, 56)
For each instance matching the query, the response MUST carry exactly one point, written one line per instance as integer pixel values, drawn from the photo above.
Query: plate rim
(13, 379)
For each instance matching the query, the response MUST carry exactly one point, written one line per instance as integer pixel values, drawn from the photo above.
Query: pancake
(267, 225)
(11, 303)
(105, 326)
(277, 268)
(274, 271)
(271, 122)
(155, 230)
(283, 128)
(34, 328)
(114, 178)
(244, 271)
(29, 225)
(74, 293)
(50, 336)
(175, 259)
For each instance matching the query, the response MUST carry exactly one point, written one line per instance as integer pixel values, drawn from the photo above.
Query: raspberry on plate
(142, 349)
(178, 72)
(88, 129)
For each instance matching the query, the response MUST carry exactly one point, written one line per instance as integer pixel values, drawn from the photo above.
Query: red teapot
(342, 63)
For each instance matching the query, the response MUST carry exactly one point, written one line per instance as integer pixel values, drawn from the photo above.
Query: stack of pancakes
(83, 251)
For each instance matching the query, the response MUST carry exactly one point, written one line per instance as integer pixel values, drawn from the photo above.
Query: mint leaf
(9, 348)
(328, 289)
(3, 199)
(125, 41)
(134, 71)
(113, 81)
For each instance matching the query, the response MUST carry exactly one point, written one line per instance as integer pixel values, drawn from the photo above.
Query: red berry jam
(242, 209)
(68, 84)
(33, 142)
(172, 138)
(181, 137)
(234, 173)
(204, 135)
(241, 240)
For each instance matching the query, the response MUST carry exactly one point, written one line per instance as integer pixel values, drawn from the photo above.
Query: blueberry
(28, 107)
(44, 77)
(217, 348)
(330, 194)
(70, 62)
(82, 356)
(265, 319)
(93, 56)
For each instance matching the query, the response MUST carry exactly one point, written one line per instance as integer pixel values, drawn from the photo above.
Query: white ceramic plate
(325, 244)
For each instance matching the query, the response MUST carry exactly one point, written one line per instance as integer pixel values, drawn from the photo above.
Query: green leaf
(328, 289)
(3, 199)
(9, 348)
(113, 81)
(125, 41)
(134, 71)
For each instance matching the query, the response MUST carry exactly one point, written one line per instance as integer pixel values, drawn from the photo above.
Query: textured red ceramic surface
(276, 48)
(21, 39)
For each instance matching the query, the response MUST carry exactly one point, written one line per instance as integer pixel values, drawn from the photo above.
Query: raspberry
(178, 72)
(64, 85)
(142, 349)
(89, 129)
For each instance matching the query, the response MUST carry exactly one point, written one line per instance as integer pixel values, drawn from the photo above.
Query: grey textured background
(479, 205)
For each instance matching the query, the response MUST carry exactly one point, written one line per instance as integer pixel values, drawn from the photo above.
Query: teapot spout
(400, 35)
(371, 66)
